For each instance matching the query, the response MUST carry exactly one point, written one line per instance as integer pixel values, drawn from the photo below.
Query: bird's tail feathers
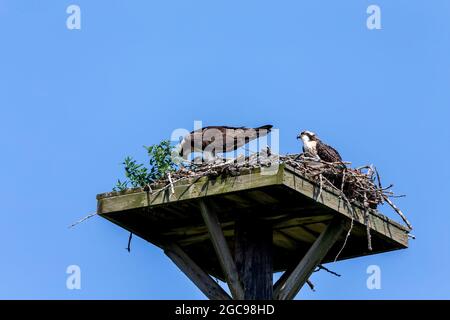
(266, 127)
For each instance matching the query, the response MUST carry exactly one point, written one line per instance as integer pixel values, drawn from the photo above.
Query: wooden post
(288, 290)
(253, 256)
(200, 278)
(222, 251)
(282, 280)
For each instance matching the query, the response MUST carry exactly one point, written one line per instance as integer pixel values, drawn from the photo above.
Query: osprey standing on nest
(219, 139)
(314, 147)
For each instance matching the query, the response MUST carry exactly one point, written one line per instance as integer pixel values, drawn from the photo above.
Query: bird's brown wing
(217, 127)
(327, 153)
(232, 137)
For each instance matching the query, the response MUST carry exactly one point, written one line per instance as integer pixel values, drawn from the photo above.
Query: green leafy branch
(138, 175)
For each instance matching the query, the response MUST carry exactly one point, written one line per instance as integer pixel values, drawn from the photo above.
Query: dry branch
(129, 242)
(400, 213)
(321, 267)
(310, 285)
(83, 219)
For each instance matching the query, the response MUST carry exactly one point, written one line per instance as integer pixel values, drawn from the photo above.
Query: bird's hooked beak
(299, 136)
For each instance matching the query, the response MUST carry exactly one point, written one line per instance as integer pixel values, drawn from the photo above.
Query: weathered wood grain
(200, 278)
(287, 290)
(222, 251)
(185, 190)
(291, 222)
(253, 256)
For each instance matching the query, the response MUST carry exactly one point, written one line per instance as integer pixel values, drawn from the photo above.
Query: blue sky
(74, 103)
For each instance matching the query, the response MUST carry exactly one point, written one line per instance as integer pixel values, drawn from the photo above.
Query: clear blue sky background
(73, 104)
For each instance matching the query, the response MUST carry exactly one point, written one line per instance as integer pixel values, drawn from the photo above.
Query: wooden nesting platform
(243, 228)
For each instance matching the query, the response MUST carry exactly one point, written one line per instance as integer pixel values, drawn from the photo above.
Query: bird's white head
(307, 136)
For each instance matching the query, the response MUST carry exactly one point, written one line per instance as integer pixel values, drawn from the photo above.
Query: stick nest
(361, 186)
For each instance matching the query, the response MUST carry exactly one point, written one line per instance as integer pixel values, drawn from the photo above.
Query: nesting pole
(253, 256)
(241, 229)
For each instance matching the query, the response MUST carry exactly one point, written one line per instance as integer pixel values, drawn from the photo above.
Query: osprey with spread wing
(219, 139)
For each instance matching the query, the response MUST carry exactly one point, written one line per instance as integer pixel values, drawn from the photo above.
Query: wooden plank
(299, 234)
(253, 256)
(237, 200)
(201, 237)
(297, 278)
(193, 230)
(222, 251)
(283, 241)
(200, 278)
(122, 202)
(293, 222)
(262, 197)
(184, 190)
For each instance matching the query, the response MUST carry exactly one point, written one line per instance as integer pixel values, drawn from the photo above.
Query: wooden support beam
(288, 288)
(200, 278)
(222, 251)
(253, 256)
(282, 280)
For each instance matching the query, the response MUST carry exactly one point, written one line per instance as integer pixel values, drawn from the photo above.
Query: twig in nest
(352, 219)
(81, 220)
(369, 237)
(321, 267)
(400, 213)
(321, 187)
(171, 183)
(349, 229)
(367, 221)
(343, 182)
(167, 186)
(148, 188)
(378, 178)
(129, 242)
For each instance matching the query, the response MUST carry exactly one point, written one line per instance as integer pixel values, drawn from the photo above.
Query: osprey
(219, 139)
(314, 147)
